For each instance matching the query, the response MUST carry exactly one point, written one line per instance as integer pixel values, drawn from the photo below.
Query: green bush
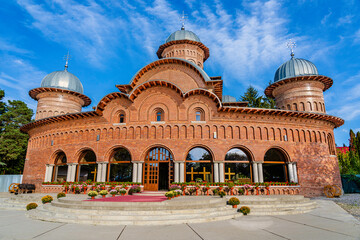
(169, 194)
(234, 201)
(31, 206)
(244, 210)
(103, 192)
(92, 193)
(47, 199)
(221, 193)
(60, 195)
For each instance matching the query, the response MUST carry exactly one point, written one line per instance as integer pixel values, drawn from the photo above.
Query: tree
(13, 143)
(255, 100)
(349, 162)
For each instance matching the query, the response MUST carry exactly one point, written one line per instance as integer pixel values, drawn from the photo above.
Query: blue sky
(110, 40)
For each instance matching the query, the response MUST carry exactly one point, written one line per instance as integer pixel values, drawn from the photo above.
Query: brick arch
(147, 149)
(282, 150)
(108, 98)
(108, 154)
(243, 148)
(54, 155)
(200, 146)
(81, 151)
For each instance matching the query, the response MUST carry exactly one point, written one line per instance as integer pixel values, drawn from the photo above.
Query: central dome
(64, 80)
(295, 67)
(183, 35)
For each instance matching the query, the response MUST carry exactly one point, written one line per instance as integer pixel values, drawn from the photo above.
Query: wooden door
(151, 167)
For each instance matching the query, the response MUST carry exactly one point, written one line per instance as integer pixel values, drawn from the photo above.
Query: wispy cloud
(345, 20)
(6, 46)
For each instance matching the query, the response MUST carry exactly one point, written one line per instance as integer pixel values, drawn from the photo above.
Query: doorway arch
(158, 169)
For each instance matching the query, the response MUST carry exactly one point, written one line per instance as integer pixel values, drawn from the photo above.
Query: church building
(172, 123)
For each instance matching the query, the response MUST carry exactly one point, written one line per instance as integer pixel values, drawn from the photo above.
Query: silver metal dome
(295, 67)
(63, 80)
(182, 35)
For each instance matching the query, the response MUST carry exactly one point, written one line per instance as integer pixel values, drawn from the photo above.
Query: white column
(99, 172)
(46, 172)
(134, 176)
(255, 172)
(103, 174)
(182, 172)
(221, 172)
(295, 173)
(139, 173)
(50, 172)
(55, 173)
(291, 173)
(260, 170)
(176, 172)
(216, 172)
(68, 174)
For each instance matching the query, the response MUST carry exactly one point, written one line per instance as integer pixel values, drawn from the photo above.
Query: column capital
(258, 162)
(179, 161)
(218, 161)
(50, 165)
(71, 164)
(139, 161)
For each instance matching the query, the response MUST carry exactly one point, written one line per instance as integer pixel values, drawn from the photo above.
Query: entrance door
(158, 170)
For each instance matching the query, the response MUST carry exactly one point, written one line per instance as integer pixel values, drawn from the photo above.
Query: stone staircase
(177, 211)
(19, 202)
(277, 204)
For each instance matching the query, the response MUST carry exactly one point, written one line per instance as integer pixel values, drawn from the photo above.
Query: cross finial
(183, 20)
(291, 45)
(67, 58)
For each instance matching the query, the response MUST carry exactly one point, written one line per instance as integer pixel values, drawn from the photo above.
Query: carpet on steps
(130, 198)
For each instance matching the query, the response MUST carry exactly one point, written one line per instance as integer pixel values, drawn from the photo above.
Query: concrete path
(328, 221)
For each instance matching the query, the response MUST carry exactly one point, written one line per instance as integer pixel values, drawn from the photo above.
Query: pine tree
(13, 143)
(255, 100)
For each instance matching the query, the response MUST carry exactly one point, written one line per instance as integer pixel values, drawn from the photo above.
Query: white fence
(6, 180)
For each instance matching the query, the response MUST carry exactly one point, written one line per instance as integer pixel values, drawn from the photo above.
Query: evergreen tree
(255, 100)
(349, 163)
(13, 143)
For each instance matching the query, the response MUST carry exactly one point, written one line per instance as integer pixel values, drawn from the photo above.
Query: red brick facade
(179, 88)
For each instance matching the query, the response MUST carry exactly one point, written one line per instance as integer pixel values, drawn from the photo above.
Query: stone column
(46, 172)
(216, 172)
(103, 172)
(261, 175)
(255, 172)
(290, 171)
(176, 172)
(221, 172)
(77, 173)
(134, 176)
(68, 174)
(139, 172)
(99, 172)
(50, 172)
(55, 172)
(295, 173)
(182, 172)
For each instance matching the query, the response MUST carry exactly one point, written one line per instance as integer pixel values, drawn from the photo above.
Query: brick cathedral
(172, 123)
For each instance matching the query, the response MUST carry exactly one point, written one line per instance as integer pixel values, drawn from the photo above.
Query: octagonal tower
(61, 92)
(299, 87)
(186, 45)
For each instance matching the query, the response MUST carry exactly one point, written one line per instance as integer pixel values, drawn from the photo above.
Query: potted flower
(77, 190)
(102, 187)
(113, 192)
(247, 187)
(191, 190)
(92, 194)
(221, 193)
(183, 188)
(234, 202)
(60, 195)
(169, 195)
(66, 187)
(257, 188)
(241, 191)
(103, 193)
(134, 189)
(244, 210)
(174, 187)
(231, 187)
(84, 187)
(31, 206)
(178, 192)
(122, 191)
(47, 199)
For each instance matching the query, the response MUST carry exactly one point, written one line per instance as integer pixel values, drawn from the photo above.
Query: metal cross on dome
(67, 58)
(183, 20)
(291, 45)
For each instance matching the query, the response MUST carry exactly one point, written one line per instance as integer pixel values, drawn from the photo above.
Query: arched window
(120, 166)
(199, 165)
(274, 167)
(237, 165)
(199, 114)
(122, 118)
(61, 167)
(330, 144)
(159, 115)
(87, 169)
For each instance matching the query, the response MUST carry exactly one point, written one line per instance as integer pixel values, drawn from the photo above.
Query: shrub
(60, 195)
(113, 192)
(191, 190)
(241, 191)
(31, 206)
(221, 193)
(234, 201)
(178, 192)
(174, 187)
(92, 193)
(244, 210)
(122, 191)
(169, 194)
(103, 192)
(134, 189)
(47, 199)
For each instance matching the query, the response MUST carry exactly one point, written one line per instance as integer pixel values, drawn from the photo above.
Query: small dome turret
(295, 67)
(64, 80)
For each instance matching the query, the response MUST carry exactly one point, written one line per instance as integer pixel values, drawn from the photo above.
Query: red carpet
(130, 198)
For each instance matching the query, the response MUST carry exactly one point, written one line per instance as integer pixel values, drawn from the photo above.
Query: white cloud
(345, 20)
(325, 19)
(348, 111)
(7, 46)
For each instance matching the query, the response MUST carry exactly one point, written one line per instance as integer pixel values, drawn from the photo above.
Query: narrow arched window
(159, 116)
(198, 116)
(122, 118)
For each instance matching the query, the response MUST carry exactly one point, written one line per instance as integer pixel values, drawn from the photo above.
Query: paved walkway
(329, 221)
